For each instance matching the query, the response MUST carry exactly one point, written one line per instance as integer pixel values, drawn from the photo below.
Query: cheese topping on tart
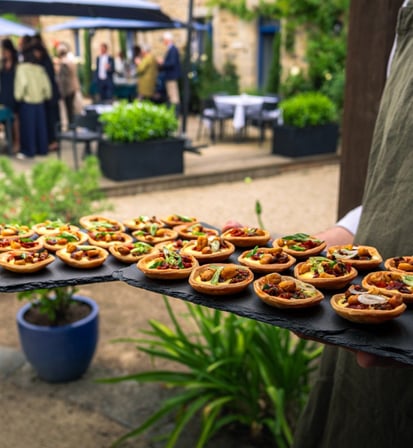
(300, 242)
(142, 221)
(82, 255)
(13, 230)
(59, 240)
(101, 224)
(49, 227)
(193, 231)
(401, 264)
(176, 220)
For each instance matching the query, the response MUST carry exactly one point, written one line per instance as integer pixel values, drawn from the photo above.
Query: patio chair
(84, 129)
(211, 115)
(266, 117)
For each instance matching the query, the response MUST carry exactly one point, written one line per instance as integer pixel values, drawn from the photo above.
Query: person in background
(121, 65)
(32, 88)
(147, 72)
(170, 65)
(52, 104)
(360, 399)
(8, 66)
(67, 80)
(105, 68)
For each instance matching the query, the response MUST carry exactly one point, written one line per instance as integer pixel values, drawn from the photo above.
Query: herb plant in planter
(58, 329)
(139, 141)
(309, 126)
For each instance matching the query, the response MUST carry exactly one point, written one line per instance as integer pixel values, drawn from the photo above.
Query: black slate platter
(58, 274)
(393, 339)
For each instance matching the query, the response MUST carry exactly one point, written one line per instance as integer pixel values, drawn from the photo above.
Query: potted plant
(58, 329)
(58, 332)
(309, 126)
(138, 141)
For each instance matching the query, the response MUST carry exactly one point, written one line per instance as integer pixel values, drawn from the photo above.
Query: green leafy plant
(50, 191)
(139, 121)
(308, 109)
(232, 373)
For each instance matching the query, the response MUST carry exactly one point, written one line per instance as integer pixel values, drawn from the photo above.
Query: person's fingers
(231, 224)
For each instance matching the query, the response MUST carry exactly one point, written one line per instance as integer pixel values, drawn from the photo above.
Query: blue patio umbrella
(9, 28)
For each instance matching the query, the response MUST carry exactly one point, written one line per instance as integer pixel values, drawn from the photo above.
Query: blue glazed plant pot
(60, 354)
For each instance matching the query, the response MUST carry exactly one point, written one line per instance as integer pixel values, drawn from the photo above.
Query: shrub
(232, 373)
(308, 109)
(139, 121)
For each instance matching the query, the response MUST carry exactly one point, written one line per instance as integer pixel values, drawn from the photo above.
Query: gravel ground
(90, 415)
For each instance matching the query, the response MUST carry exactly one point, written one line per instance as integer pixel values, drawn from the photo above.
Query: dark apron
(351, 407)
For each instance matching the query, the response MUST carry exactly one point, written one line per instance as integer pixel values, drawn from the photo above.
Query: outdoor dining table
(241, 104)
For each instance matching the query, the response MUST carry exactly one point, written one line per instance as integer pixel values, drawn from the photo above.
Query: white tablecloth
(240, 104)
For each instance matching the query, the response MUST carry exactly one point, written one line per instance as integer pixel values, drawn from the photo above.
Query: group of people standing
(149, 71)
(31, 88)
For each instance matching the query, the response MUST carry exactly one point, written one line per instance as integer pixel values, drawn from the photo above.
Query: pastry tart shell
(90, 222)
(220, 289)
(82, 238)
(165, 274)
(281, 302)
(215, 257)
(390, 265)
(43, 229)
(83, 263)
(324, 282)
(126, 238)
(247, 241)
(366, 316)
(185, 235)
(367, 282)
(302, 253)
(358, 264)
(168, 235)
(261, 268)
(26, 268)
(129, 258)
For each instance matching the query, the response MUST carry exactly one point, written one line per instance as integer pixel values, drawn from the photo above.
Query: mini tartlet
(367, 306)
(389, 283)
(142, 221)
(101, 224)
(30, 244)
(107, 239)
(15, 230)
(167, 265)
(247, 236)
(194, 230)
(220, 279)
(83, 256)
(177, 220)
(359, 256)
(153, 234)
(51, 227)
(324, 273)
(283, 291)
(300, 245)
(212, 249)
(264, 260)
(400, 264)
(25, 262)
(54, 242)
(131, 252)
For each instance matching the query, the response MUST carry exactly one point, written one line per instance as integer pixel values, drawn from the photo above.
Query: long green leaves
(230, 371)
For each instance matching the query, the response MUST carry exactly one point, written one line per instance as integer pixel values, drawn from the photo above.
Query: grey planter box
(138, 160)
(297, 142)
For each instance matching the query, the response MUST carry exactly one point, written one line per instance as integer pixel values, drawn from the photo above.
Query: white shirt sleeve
(351, 220)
